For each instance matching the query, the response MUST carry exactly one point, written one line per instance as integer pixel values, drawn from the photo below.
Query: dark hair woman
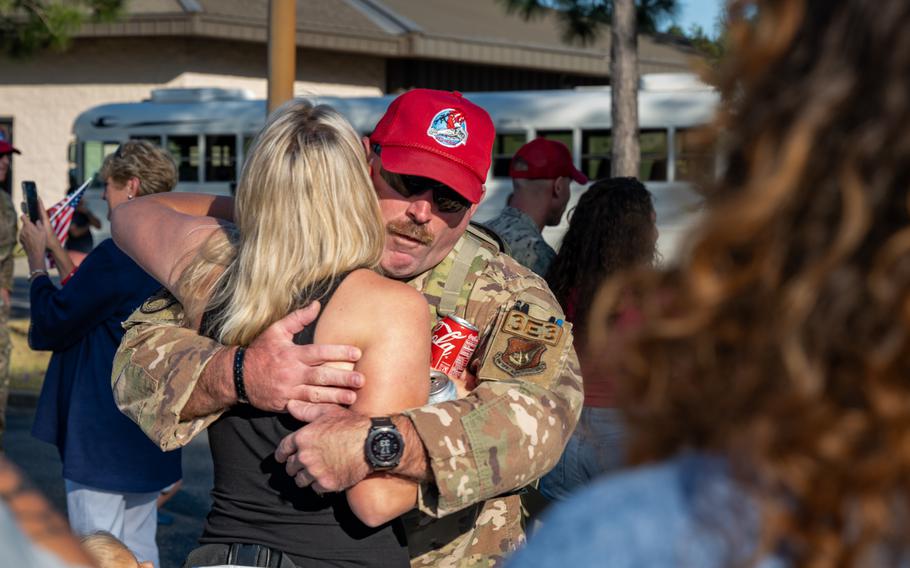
(611, 229)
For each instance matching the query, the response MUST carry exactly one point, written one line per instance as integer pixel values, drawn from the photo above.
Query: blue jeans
(596, 446)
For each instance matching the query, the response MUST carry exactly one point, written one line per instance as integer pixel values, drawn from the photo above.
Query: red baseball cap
(545, 159)
(7, 148)
(440, 135)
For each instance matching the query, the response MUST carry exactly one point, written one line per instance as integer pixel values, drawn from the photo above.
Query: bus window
(220, 157)
(597, 145)
(595, 153)
(694, 155)
(185, 151)
(564, 136)
(504, 148)
(154, 139)
(653, 165)
(93, 154)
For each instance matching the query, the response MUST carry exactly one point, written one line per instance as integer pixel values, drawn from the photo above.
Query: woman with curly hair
(611, 229)
(766, 388)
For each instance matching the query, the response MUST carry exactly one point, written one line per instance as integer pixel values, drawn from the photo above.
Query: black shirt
(255, 501)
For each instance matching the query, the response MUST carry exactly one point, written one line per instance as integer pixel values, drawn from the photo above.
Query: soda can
(442, 388)
(454, 341)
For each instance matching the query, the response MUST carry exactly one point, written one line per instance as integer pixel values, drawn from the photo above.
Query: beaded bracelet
(238, 376)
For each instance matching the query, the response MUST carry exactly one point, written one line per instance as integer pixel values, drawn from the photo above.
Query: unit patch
(521, 357)
(159, 301)
(449, 128)
(527, 343)
(519, 323)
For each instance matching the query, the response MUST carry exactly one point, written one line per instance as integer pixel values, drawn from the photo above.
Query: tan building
(344, 47)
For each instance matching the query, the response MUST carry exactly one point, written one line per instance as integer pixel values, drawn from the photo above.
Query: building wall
(44, 94)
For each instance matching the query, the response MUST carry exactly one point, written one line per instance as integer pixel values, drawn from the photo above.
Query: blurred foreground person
(611, 229)
(113, 473)
(32, 534)
(767, 387)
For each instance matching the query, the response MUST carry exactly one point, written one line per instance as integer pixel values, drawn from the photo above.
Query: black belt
(238, 554)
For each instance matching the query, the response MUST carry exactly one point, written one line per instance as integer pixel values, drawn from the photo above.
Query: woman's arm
(196, 204)
(393, 333)
(161, 239)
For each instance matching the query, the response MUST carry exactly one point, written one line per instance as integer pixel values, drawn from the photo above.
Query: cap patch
(449, 128)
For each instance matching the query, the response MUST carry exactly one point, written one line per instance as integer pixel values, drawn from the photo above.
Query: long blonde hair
(305, 212)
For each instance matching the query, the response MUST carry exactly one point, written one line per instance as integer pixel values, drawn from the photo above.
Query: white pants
(131, 517)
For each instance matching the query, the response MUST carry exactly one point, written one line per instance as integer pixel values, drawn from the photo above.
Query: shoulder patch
(519, 323)
(158, 302)
(521, 357)
(524, 346)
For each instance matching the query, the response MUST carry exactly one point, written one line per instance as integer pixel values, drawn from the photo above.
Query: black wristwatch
(384, 446)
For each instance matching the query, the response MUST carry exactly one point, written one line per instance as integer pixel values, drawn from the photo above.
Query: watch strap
(381, 422)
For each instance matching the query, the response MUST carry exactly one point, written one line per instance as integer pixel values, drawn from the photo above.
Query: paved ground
(188, 508)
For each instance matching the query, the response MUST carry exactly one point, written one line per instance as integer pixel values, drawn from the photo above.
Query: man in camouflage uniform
(541, 172)
(470, 456)
(7, 244)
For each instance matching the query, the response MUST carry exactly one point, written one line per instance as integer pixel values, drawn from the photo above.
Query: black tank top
(255, 501)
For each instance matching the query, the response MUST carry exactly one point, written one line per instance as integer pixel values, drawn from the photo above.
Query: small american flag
(61, 214)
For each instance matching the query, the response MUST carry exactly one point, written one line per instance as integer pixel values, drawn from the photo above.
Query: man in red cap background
(541, 173)
(429, 157)
(7, 244)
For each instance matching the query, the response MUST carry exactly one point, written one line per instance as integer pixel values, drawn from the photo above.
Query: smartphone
(30, 191)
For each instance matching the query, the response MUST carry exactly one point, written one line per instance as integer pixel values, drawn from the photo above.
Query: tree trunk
(625, 154)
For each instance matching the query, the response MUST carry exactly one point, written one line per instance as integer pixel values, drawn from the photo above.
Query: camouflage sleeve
(7, 241)
(6, 269)
(513, 427)
(156, 369)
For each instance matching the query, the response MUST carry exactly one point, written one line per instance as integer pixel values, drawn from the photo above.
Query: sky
(701, 12)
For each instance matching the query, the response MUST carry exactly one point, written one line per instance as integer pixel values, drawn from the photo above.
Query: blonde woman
(308, 227)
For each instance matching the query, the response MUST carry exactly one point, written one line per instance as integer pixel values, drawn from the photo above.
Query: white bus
(209, 130)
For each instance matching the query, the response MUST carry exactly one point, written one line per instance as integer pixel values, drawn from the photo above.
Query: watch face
(385, 447)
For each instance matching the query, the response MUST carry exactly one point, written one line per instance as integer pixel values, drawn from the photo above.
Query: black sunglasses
(447, 200)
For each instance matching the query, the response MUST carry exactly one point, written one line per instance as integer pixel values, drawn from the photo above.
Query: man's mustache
(411, 230)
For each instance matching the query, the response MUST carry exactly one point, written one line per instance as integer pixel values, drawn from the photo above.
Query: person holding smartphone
(7, 244)
(112, 472)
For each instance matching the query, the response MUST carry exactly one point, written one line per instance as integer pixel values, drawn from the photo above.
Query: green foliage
(584, 20)
(29, 26)
(712, 49)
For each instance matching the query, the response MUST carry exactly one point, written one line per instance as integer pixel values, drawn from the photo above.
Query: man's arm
(507, 432)
(173, 382)
(501, 437)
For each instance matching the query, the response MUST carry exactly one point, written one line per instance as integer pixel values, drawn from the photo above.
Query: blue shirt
(686, 511)
(80, 323)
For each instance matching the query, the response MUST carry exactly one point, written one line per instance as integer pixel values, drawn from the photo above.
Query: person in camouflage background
(470, 456)
(541, 173)
(7, 244)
